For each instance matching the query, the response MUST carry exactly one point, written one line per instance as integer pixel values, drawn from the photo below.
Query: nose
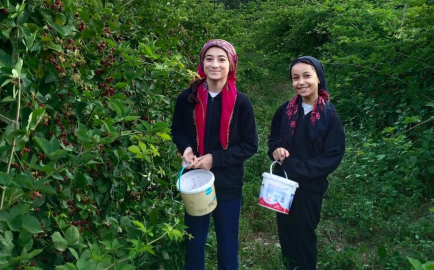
(214, 64)
(300, 81)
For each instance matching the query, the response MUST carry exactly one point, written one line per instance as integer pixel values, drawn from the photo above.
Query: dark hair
(194, 84)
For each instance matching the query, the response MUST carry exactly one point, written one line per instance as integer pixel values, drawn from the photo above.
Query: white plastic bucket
(277, 192)
(197, 191)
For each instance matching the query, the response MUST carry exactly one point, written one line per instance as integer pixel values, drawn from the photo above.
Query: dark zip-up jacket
(310, 162)
(228, 165)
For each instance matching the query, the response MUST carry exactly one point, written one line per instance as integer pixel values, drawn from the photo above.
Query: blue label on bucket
(208, 191)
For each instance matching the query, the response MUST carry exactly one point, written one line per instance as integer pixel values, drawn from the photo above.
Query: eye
(222, 59)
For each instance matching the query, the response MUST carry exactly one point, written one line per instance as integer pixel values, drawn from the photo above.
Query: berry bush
(87, 168)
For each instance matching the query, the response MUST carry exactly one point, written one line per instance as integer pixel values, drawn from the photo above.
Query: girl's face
(216, 64)
(305, 81)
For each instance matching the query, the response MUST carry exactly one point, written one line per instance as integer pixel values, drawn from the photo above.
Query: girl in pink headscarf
(214, 129)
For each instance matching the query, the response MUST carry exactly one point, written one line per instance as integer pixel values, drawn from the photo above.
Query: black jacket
(310, 162)
(228, 165)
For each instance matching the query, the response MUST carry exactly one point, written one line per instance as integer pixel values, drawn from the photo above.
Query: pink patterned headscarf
(229, 95)
(222, 44)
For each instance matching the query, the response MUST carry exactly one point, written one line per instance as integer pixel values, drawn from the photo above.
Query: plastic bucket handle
(180, 174)
(271, 168)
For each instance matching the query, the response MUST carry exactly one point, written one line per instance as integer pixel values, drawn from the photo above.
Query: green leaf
(80, 180)
(142, 146)
(84, 15)
(7, 99)
(57, 154)
(46, 189)
(22, 18)
(30, 40)
(125, 222)
(60, 19)
(429, 265)
(59, 242)
(116, 244)
(67, 192)
(111, 43)
(74, 253)
(6, 82)
(160, 127)
(411, 119)
(15, 74)
(5, 60)
(36, 46)
(134, 149)
(18, 66)
(130, 118)
(415, 263)
(140, 225)
(53, 46)
(164, 136)
(31, 224)
(109, 127)
(72, 235)
(59, 29)
(7, 240)
(51, 77)
(87, 157)
(34, 118)
(118, 107)
(46, 15)
(7, 24)
(43, 143)
(5, 179)
(120, 85)
(380, 157)
(146, 248)
(16, 133)
(16, 215)
(165, 255)
(154, 216)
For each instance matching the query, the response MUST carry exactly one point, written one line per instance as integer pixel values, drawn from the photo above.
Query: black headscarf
(318, 68)
(322, 110)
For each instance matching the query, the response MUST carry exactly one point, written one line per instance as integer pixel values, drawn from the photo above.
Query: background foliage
(87, 168)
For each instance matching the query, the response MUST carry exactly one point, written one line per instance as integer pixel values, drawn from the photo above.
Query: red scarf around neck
(229, 96)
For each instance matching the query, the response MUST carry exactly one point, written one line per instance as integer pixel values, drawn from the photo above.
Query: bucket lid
(280, 179)
(203, 178)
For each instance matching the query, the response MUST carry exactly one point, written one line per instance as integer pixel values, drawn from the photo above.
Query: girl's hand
(189, 157)
(280, 154)
(204, 162)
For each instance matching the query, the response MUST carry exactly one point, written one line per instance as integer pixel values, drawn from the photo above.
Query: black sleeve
(248, 146)
(274, 140)
(325, 163)
(179, 129)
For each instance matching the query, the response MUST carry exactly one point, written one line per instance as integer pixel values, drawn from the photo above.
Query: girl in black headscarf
(308, 139)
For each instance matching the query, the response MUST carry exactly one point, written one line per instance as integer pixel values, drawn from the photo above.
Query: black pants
(297, 230)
